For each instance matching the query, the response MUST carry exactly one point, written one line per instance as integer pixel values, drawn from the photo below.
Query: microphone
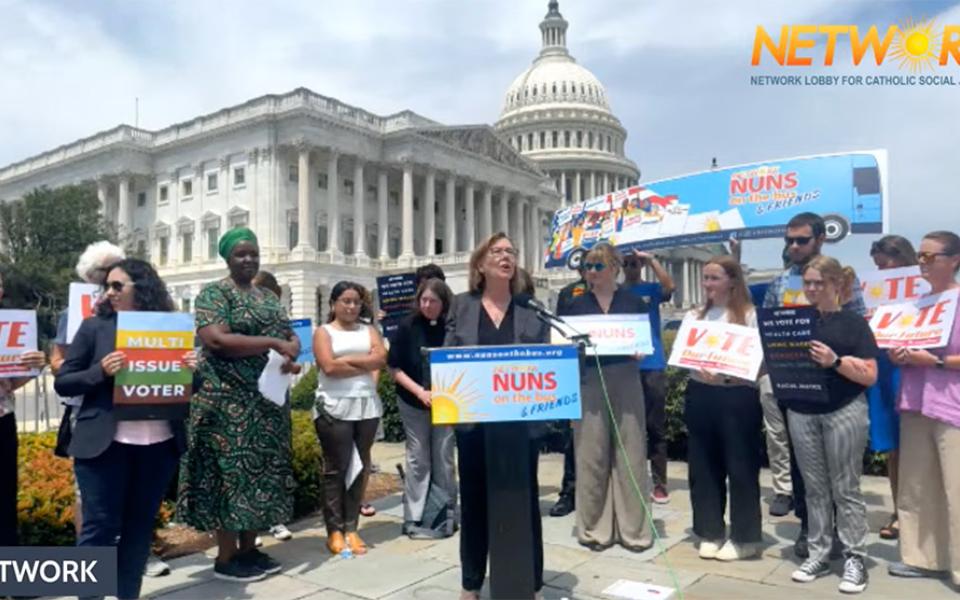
(528, 301)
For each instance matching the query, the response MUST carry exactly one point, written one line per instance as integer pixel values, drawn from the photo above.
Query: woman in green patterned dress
(237, 475)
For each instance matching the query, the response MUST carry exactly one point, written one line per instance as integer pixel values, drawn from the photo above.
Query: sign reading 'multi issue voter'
(154, 344)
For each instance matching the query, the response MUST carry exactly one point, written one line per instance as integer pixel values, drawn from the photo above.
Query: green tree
(45, 232)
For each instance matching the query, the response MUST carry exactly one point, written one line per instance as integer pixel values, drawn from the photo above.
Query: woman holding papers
(429, 449)
(487, 315)
(889, 252)
(829, 435)
(349, 354)
(724, 418)
(123, 467)
(611, 468)
(237, 476)
(929, 493)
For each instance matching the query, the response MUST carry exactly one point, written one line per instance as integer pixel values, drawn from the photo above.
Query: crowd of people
(230, 453)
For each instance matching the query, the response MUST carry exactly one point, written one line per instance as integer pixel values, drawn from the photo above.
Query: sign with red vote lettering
(924, 323)
(718, 347)
(82, 303)
(892, 286)
(18, 334)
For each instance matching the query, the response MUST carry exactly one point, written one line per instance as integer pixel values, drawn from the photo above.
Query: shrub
(304, 392)
(392, 424)
(45, 493)
(307, 464)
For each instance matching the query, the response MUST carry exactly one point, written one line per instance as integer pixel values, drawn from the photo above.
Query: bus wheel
(837, 227)
(575, 259)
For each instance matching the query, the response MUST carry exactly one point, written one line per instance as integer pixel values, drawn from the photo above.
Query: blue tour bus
(747, 201)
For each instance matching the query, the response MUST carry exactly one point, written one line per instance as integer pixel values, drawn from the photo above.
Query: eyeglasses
(800, 240)
(594, 266)
(928, 257)
(116, 286)
(497, 252)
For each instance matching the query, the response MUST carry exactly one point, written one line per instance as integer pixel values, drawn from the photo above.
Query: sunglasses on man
(799, 240)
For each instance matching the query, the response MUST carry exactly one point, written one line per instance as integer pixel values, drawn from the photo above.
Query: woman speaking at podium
(487, 315)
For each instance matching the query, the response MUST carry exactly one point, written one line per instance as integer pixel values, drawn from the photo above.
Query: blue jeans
(122, 490)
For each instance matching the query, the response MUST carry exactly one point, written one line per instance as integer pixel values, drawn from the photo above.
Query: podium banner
(481, 384)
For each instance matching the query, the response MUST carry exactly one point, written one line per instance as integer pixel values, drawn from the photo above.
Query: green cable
(633, 479)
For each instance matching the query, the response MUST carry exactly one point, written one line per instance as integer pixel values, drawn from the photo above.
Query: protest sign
(611, 335)
(395, 294)
(891, 286)
(718, 347)
(482, 384)
(786, 334)
(18, 334)
(155, 375)
(924, 323)
(82, 302)
(304, 330)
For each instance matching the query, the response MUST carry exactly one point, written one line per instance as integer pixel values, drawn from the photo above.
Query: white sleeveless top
(349, 398)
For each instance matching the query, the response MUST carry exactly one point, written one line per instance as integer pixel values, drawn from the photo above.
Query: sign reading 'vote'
(154, 344)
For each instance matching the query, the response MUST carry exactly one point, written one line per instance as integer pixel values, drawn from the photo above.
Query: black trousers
(474, 534)
(655, 401)
(122, 489)
(8, 480)
(724, 424)
(341, 507)
(568, 487)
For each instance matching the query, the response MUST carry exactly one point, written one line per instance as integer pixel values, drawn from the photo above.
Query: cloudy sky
(677, 74)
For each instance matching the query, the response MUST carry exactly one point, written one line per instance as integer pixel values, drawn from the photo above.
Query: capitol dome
(557, 114)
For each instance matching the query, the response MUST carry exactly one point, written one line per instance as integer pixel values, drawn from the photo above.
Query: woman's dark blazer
(82, 375)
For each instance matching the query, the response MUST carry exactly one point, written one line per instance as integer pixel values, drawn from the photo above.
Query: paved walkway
(397, 568)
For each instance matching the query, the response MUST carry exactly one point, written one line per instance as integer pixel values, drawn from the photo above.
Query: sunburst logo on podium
(454, 401)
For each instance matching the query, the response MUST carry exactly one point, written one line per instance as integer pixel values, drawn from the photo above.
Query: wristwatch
(941, 364)
(836, 363)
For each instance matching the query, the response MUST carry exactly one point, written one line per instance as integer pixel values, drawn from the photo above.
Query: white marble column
(486, 213)
(359, 222)
(606, 183)
(102, 195)
(504, 224)
(537, 239)
(406, 221)
(563, 189)
(383, 233)
(578, 189)
(304, 216)
(429, 213)
(333, 202)
(593, 184)
(450, 216)
(470, 227)
(687, 296)
(123, 206)
(516, 227)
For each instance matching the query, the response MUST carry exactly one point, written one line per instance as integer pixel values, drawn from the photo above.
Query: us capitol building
(335, 192)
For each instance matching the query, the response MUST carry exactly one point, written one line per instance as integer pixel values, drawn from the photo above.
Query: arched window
(566, 139)
(543, 140)
(555, 140)
(579, 139)
(554, 88)
(590, 140)
(529, 141)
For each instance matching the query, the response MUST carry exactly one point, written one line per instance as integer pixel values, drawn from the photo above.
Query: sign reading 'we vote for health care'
(154, 344)
(481, 384)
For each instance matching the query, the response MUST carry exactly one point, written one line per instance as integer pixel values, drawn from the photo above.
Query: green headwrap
(234, 237)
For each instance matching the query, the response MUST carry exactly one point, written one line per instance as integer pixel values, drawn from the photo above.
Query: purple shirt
(933, 392)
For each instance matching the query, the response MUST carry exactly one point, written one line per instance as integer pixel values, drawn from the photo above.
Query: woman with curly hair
(122, 466)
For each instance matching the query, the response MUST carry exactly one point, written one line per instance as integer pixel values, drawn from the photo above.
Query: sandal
(891, 531)
(367, 510)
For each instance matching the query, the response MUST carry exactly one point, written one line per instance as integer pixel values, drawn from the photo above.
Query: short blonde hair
(98, 255)
(605, 253)
(475, 277)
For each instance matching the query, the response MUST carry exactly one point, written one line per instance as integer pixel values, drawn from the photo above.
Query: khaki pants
(778, 439)
(609, 507)
(928, 498)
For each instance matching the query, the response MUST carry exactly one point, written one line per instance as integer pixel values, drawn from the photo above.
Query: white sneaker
(709, 548)
(155, 567)
(281, 532)
(734, 551)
